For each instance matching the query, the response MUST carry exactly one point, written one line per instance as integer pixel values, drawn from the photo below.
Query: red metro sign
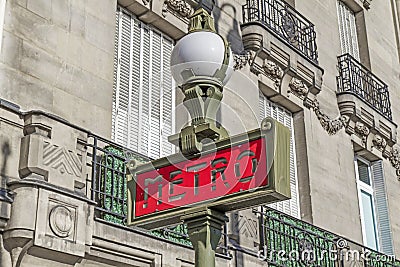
(223, 173)
(240, 172)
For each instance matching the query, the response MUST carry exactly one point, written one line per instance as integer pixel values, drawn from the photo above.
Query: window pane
(363, 172)
(369, 220)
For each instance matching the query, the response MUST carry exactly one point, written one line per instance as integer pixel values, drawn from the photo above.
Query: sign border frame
(277, 153)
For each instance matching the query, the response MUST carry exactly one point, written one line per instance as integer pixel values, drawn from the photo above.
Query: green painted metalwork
(290, 242)
(111, 192)
(177, 234)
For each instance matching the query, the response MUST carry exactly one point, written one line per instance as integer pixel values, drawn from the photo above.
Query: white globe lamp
(201, 56)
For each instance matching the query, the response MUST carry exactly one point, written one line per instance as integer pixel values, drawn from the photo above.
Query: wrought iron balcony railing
(109, 190)
(288, 241)
(356, 79)
(303, 244)
(285, 22)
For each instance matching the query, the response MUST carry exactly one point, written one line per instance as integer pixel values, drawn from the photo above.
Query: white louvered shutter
(135, 87)
(117, 55)
(140, 108)
(267, 108)
(382, 213)
(122, 79)
(167, 97)
(348, 30)
(155, 96)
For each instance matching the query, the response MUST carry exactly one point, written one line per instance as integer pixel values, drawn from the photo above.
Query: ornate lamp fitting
(201, 64)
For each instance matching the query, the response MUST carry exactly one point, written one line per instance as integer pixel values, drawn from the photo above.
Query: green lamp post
(201, 65)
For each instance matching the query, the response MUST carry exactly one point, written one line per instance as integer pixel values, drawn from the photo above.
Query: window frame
(369, 189)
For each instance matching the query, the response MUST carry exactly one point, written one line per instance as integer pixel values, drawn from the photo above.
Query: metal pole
(205, 230)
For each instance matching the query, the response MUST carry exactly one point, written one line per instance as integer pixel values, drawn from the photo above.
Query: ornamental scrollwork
(240, 61)
(298, 88)
(180, 6)
(394, 158)
(361, 129)
(289, 26)
(332, 126)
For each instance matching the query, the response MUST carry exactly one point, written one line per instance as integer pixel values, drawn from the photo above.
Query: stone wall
(58, 56)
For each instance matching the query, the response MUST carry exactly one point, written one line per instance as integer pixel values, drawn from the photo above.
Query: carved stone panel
(181, 8)
(62, 220)
(61, 159)
(53, 152)
(245, 228)
(63, 223)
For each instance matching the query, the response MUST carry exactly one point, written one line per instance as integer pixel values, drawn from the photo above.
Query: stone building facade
(86, 85)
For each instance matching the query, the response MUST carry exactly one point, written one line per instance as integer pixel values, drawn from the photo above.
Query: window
(348, 30)
(373, 205)
(268, 109)
(143, 99)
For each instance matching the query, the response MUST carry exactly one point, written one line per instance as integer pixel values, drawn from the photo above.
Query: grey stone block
(40, 7)
(61, 13)
(104, 38)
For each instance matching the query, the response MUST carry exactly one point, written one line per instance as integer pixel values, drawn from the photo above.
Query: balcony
(109, 191)
(356, 79)
(364, 99)
(309, 245)
(282, 43)
(284, 22)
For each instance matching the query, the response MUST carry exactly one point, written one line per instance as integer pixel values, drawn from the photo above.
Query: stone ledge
(155, 12)
(267, 48)
(372, 128)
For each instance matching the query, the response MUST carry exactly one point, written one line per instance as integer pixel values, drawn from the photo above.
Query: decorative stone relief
(61, 159)
(298, 88)
(146, 2)
(367, 4)
(394, 158)
(332, 126)
(274, 71)
(362, 130)
(61, 221)
(379, 142)
(245, 226)
(181, 7)
(240, 61)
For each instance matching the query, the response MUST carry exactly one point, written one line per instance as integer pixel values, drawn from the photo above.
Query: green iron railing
(285, 241)
(109, 188)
